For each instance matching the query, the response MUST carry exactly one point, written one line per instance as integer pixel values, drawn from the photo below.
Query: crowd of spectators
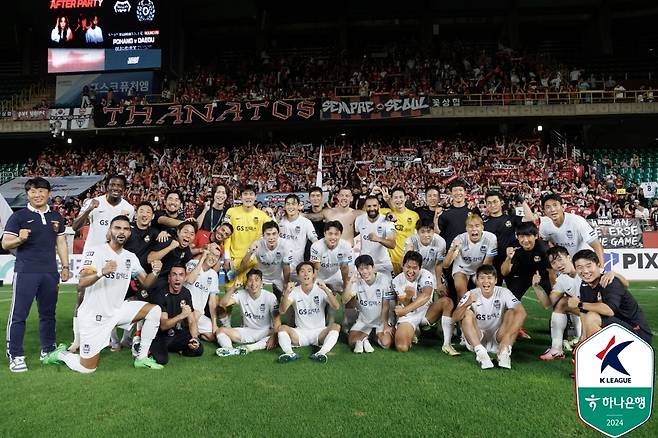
(452, 68)
(521, 168)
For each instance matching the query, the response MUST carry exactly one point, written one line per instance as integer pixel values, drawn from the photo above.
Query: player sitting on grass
(491, 317)
(260, 318)
(373, 292)
(203, 284)
(308, 300)
(105, 274)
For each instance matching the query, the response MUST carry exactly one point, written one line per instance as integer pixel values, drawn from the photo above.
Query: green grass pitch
(420, 393)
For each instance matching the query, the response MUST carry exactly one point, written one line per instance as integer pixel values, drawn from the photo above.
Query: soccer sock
(349, 317)
(446, 326)
(285, 343)
(260, 345)
(76, 331)
(224, 341)
(114, 337)
(126, 335)
(329, 342)
(72, 361)
(558, 324)
(366, 342)
(577, 325)
(149, 330)
(225, 320)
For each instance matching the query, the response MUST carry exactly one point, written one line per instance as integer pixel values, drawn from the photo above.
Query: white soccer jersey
(574, 234)
(568, 285)
(271, 261)
(204, 285)
(382, 228)
(309, 309)
(257, 313)
(100, 217)
(471, 255)
(104, 297)
(370, 298)
(489, 311)
(433, 254)
(425, 279)
(330, 259)
(296, 233)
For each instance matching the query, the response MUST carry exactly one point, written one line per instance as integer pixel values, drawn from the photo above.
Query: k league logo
(614, 380)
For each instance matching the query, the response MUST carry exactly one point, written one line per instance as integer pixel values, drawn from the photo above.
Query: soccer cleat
(428, 327)
(17, 365)
(52, 357)
(243, 350)
(147, 362)
(225, 352)
(367, 347)
(570, 345)
(414, 340)
(551, 354)
(523, 334)
(450, 350)
(285, 358)
(484, 360)
(505, 358)
(318, 357)
(358, 347)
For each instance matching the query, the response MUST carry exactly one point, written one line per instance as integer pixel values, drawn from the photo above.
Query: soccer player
(433, 210)
(105, 274)
(100, 211)
(308, 300)
(491, 317)
(174, 250)
(566, 285)
(616, 304)
(296, 230)
(315, 199)
(247, 222)
(405, 224)
(273, 257)
(469, 251)
(142, 234)
(431, 246)
(342, 213)
(202, 282)
(414, 288)
(167, 220)
(373, 292)
(377, 235)
(503, 226)
(565, 229)
(260, 318)
(34, 234)
(178, 328)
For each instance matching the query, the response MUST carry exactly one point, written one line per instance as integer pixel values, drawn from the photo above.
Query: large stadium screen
(100, 35)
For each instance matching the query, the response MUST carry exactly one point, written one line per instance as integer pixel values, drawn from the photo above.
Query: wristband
(580, 307)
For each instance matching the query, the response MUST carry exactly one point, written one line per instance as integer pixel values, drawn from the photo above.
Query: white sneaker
(17, 365)
(358, 347)
(367, 347)
(484, 359)
(505, 358)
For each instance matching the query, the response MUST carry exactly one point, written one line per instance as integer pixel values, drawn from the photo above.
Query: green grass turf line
(420, 393)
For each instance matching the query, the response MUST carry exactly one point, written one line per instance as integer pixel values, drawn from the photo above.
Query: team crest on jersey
(55, 225)
(298, 229)
(340, 255)
(316, 300)
(431, 251)
(483, 248)
(496, 304)
(262, 308)
(378, 293)
(147, 238)
(209, 281)
(380, 230)
(569, 234)
(182, 303)
(508, 224)
(277, 254)
(409, 220)
(128, 265)
(537, 259)
(255, 219)
(144, 294)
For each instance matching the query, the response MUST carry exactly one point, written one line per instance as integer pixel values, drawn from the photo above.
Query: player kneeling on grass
(491, 317)
(178, 327)
(601, 305)
(308, 301)
(260, 318)
(414, 288)
(373, 292)
(106, 273)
